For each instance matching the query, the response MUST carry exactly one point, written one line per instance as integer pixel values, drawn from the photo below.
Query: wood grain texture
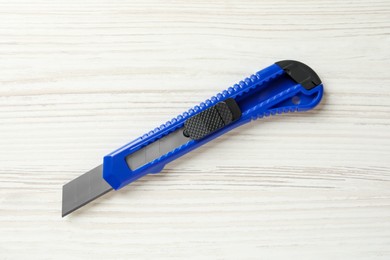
(80, 78)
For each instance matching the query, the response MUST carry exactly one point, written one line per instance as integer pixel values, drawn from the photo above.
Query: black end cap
(300, 73)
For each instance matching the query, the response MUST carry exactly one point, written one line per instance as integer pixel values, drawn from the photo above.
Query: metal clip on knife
(286, 86)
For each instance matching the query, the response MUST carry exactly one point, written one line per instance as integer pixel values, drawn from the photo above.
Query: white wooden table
(81, 78)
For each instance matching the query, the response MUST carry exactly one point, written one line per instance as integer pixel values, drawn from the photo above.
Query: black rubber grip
(212, 119)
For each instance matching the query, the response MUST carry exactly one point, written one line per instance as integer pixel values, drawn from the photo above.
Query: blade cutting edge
(83, 190)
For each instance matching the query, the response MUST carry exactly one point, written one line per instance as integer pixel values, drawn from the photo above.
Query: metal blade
(156, 149)
(83, 190)
(91, 184)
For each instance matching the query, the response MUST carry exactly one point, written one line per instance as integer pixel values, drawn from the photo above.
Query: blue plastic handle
(286, 86)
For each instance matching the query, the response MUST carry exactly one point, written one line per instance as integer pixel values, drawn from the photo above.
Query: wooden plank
(80, 78)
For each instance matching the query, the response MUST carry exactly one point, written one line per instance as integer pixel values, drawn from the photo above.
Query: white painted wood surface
(80, 78)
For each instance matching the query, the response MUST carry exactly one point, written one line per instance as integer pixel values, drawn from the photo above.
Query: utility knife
(286, 86)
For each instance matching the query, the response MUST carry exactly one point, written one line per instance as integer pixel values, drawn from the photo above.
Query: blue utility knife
(286, 86)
